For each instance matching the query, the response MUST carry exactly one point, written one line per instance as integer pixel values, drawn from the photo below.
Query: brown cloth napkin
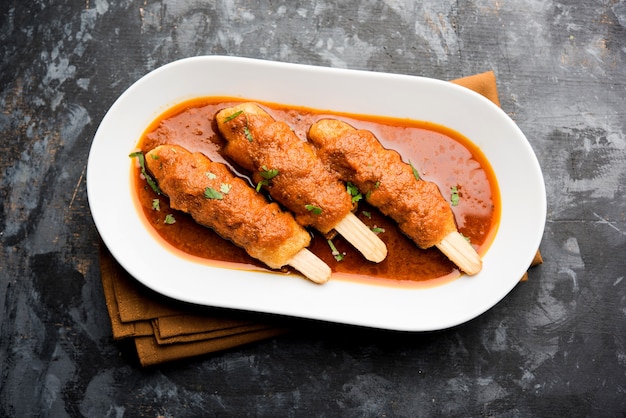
(165, 330)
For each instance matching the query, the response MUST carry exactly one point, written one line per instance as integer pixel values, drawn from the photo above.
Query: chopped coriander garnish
(338, 256)
(316, 210)
(414, 170)
(247, 133)
(142, 163)
(169, 219)
(211, 176)
(354, 192)
(246, 130)
(378, 230)
(367, 214)
(467, 238)
(211, 193)
(225, 188)
(156, 204)
(454, 196)
(232, 116)
(377, 184)
(267, 175)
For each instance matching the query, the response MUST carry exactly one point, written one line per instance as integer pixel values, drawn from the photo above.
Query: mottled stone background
(556, 346)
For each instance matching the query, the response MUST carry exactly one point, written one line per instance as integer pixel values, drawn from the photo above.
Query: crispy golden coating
(303, 183)
(215, 198)
(387, 182)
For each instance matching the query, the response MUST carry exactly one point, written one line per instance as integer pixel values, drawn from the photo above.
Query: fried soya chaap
(215, 198)
(289, 169)
(392, 185)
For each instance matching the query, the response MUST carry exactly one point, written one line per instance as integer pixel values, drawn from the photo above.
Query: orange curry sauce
(440, 155)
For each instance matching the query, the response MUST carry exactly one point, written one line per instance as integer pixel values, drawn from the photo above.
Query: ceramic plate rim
(422, 309)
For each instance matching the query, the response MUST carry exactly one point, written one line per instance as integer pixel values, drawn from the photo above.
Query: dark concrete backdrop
(555, 346)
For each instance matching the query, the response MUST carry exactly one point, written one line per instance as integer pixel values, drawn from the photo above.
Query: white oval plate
(410, 309)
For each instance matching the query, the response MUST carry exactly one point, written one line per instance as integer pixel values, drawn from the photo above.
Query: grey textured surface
(555, 346)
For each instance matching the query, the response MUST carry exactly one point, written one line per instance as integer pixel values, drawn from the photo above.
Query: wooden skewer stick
(362, 238)
(461, 253)
(311, 266)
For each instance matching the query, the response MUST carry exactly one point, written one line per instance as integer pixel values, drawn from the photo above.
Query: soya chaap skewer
(393, 186)
(294, 176)
(215, 198)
